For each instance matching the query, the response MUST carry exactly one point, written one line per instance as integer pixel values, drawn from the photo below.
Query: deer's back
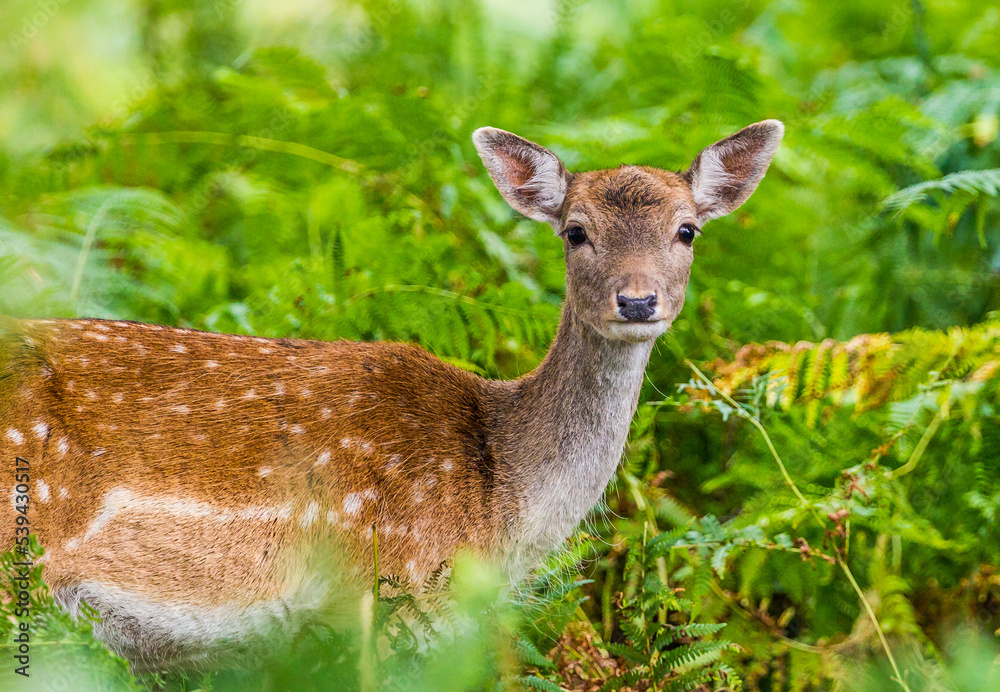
(194, 471)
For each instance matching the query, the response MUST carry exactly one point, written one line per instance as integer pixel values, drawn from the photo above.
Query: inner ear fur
(724, 175)
(530, 177)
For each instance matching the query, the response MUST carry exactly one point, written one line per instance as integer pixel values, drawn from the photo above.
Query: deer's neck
(566, 438)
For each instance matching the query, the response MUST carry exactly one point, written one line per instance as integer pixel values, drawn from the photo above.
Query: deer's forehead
(629, 192)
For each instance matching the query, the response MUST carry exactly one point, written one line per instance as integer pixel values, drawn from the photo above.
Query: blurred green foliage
(290, 169)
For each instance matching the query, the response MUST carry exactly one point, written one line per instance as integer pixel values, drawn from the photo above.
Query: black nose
(637, 309)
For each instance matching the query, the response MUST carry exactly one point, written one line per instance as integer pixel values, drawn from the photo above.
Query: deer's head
(628, 232)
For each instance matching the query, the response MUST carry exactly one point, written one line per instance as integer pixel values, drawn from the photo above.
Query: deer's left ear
(725, 174)
(530, 177)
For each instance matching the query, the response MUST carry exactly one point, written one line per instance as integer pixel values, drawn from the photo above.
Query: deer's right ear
(530, 177)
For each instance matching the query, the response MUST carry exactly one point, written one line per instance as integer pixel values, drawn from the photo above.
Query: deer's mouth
(634, 330)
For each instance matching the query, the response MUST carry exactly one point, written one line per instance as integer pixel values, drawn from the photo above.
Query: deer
(201, 490)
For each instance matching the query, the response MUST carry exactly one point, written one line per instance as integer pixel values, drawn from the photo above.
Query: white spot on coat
(357, 444)
(323, 458)
(352, 503)
(264, 471)
(181, 408)
(312, 511)
(211, 364)
(261, 513)
(15, 436)
(41, 429)
(63, 446)
(43, 490)
(179, 348)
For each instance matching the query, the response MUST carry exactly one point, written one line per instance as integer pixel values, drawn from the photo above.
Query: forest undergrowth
(810, 497)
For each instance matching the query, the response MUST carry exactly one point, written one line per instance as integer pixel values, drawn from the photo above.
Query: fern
(541, 684)
(61, 647)
(985, 182)
(333, 192)
(874, 368)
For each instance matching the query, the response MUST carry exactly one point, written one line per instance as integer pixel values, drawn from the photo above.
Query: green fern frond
(530, 653)
(985, 182)
(537, 683)
(701, 629)
(629, 653)
(627, 679)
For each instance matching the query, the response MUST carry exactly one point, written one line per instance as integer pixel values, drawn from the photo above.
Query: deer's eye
(576, 236)
(687, 233)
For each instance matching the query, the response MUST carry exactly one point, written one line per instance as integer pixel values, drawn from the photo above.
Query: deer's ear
(725, 174)
(530, 177)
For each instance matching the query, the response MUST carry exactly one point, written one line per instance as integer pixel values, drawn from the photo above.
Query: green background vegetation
(305, 169)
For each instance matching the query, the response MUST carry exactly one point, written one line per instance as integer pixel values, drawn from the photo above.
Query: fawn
(200, 490)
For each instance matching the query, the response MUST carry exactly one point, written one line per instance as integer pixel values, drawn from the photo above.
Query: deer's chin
(635, 332)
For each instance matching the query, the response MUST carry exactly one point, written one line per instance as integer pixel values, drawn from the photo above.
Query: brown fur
(137, 412)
